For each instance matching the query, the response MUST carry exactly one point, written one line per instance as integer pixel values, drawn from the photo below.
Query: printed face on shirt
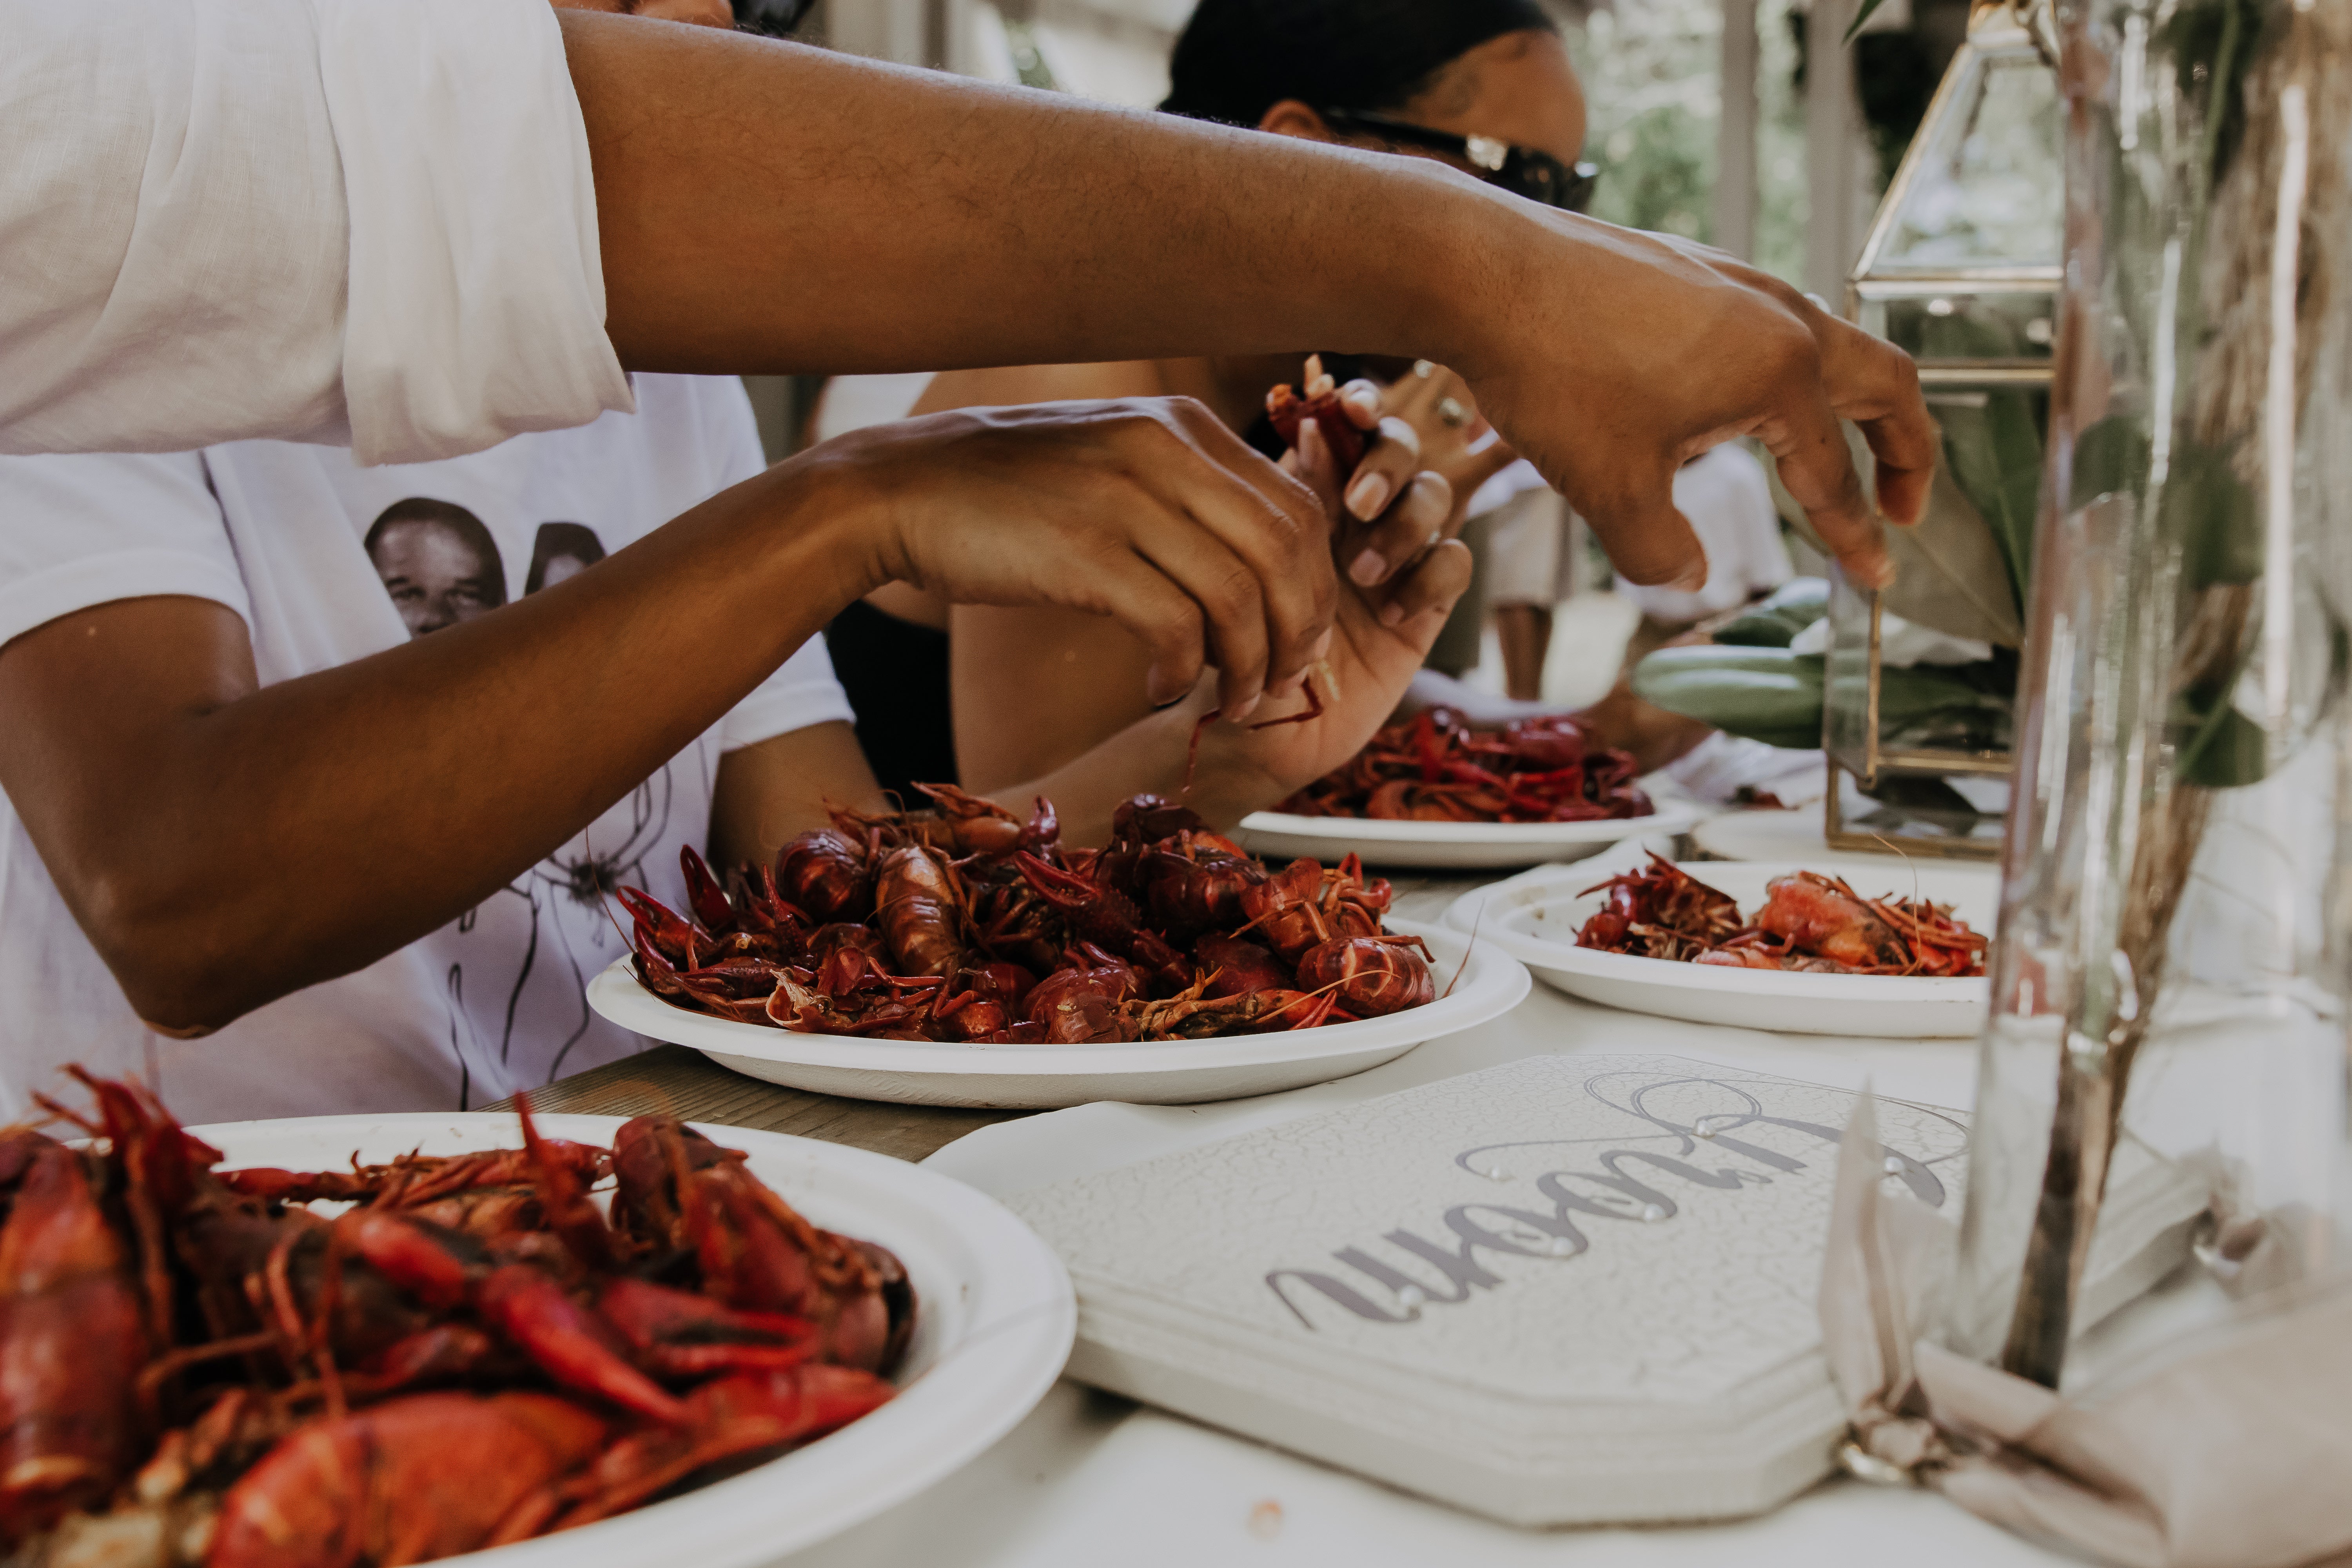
(562, 550)
(438, 561)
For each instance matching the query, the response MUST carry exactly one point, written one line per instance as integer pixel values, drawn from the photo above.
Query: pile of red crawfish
(1436, 768)
(962, 922)
(197, 1369)
(1810, 922)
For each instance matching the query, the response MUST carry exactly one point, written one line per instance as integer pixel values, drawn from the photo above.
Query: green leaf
(1771, 695)
(1766, 694)
(2219, 747)
(1994, 453)
(2210, 513)
(2111, 457)
(1860, 16)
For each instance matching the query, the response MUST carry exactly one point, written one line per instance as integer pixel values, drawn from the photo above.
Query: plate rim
(1374, 830)
(1493, 984)
(991, 1394)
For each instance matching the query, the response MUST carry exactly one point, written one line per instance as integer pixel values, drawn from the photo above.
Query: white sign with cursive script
(1572, 1289)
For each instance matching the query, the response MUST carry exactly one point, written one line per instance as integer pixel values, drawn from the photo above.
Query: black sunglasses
(774, 17)
(1522, 171)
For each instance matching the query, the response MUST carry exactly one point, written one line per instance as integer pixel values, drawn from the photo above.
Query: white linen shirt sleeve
(803, 691)
(362, 222)
(78, 532)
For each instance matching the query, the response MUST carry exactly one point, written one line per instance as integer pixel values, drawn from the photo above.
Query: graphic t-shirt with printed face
(328, 561)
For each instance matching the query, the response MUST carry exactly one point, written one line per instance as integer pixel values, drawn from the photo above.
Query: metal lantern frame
(1887, 296)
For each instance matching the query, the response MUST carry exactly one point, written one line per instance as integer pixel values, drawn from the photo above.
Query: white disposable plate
(1448, 845)
(994, 1320)
(1535, 918)
(1172, 1072)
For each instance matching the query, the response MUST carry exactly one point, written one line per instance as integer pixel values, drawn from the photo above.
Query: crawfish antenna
(1475, 922)
(604, 900)
(1192, 751)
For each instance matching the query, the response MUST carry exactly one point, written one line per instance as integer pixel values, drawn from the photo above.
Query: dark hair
(448, 515)
(558, 540)
(1237, 59)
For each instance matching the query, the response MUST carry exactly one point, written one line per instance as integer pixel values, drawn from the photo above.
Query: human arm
(769, 792)
(1035, 688)
(943, 223)
(224, 842)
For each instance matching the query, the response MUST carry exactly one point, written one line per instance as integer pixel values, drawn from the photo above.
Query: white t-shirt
(1729, 501)
(291, 538)
(362, 222)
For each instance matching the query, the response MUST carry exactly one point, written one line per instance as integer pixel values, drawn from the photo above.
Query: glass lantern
(1961, 271)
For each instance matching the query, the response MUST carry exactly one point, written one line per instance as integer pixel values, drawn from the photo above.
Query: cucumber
(1768, 694)
(1771, 695)
(1775, 622)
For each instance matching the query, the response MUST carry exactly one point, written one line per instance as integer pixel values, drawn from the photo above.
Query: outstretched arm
(223, 843)
(766, 206)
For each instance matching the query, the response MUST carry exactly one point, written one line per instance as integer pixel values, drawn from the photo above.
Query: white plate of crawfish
(1536, 916)
(994, 1320)
(1475, 982)
(1448, 846)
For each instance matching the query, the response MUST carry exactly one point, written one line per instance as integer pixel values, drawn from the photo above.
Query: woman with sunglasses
(1484, 86)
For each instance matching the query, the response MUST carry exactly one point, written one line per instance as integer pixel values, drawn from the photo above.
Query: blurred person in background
(1728, 501)
(1529, 570)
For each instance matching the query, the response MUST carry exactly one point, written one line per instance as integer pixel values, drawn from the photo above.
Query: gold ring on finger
(1452, 412)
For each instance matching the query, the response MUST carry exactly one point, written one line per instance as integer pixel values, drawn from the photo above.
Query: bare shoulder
(1037, 383)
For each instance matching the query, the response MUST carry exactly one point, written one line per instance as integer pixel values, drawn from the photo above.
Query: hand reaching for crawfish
(1457, 442)
(1146, 510)
(1430, 453)
(1390, 608)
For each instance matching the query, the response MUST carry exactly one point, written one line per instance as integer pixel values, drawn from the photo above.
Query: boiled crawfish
(379, 1387)
(1808, 922)
(1436, 768)
(1022, 940)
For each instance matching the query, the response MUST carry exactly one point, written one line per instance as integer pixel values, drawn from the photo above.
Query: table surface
(670, 1080)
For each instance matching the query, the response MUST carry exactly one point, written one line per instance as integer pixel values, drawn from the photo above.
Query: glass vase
(2162, 1072)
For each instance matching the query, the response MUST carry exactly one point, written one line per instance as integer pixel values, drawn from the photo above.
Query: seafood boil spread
(1436, 768)
(199, 1370)
(962, 922)
(1808, 922)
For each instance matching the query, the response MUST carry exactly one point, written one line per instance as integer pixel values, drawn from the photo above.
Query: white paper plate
(994, 1322)
(1535, 918)
(1174, 1072)
(1448, 845)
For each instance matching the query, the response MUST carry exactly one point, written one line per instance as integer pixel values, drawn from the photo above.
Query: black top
(896, 674)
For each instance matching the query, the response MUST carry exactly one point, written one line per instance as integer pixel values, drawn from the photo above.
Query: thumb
(1649, 542)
